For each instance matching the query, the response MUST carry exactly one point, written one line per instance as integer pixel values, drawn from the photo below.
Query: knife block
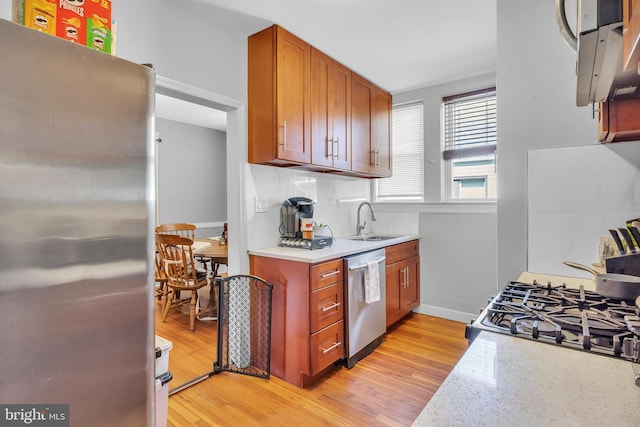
(624, 264)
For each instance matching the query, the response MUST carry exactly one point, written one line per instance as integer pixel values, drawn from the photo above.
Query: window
(469, 145)
(407, 183)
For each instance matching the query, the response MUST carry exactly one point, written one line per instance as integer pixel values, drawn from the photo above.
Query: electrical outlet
(261, 205)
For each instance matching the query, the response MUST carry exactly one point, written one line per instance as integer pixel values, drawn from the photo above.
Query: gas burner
(576, 318)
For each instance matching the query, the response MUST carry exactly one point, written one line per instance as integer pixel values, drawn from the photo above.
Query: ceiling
(399, 45)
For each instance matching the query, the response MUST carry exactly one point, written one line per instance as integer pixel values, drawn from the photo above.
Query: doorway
(186, 102)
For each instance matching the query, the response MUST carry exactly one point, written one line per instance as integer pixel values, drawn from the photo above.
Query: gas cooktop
(559, 315)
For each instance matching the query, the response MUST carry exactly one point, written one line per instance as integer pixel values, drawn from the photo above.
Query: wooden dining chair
(161, 277)
(179, 229)
(183, 229)
(179, 266)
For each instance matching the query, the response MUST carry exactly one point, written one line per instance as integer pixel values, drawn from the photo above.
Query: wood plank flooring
(387, 388)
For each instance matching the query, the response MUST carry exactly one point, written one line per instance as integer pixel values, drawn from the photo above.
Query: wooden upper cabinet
(278, 94)
(619, 120)
(631, 35)
(370, 128)
(330, 112)
(307, 110)
(381, 133)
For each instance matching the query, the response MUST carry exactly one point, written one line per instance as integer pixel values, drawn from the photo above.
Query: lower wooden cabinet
(403, 280)
(307, 327)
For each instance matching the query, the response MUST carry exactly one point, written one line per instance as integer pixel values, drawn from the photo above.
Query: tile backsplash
(576, 194)
(337, 199)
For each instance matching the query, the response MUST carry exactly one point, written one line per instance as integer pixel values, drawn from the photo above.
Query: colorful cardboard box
(86, 22)
(98, 16)
(37, 14)
(71, 23)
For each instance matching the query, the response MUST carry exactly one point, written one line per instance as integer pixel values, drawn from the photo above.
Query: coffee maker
(291, 212)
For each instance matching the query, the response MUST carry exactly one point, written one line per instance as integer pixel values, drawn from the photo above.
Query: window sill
(483, 207)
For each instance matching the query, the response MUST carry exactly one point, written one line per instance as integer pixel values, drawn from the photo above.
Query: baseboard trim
(445, 313)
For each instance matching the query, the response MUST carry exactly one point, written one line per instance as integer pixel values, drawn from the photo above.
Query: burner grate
(559, 315)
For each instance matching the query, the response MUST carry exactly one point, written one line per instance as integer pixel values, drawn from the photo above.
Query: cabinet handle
(404, 278)
(336, 149)
(377, 157)
(372, 158)
(329, 150)
(327, 350)
(331, 307)
(333, 273)
(284, 133)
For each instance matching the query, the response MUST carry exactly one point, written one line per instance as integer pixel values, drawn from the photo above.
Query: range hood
(600, 75)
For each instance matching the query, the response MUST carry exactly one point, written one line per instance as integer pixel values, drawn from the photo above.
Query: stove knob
(638, 380)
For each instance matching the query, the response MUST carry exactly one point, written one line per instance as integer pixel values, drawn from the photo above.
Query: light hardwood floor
(387, 388)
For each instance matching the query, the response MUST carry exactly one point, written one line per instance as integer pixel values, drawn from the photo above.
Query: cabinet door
(410, 291)
(381, 133)
(321, 121)
(393, 284)
(631, 35)
(361, 105)
(340, 95)
(292, 93)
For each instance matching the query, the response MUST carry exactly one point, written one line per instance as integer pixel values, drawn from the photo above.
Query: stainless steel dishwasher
(366, 323)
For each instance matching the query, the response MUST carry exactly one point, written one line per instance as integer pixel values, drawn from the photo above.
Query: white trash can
(162, 398)
(163, 347)
(163, 376)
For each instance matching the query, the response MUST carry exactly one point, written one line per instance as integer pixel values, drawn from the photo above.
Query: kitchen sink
(374, 237)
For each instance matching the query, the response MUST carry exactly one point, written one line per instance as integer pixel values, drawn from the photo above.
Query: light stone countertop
(509, 381)
(342, 246)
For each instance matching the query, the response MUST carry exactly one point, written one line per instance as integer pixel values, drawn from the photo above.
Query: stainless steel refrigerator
(76, 197)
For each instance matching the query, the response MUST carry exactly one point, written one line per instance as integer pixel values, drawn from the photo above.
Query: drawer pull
(331, 307)
(333, 273)
(327, 350)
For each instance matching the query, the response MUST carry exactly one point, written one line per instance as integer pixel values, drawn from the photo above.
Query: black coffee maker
(291, 211)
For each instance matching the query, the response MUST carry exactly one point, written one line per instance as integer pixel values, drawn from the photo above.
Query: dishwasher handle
(359, 266)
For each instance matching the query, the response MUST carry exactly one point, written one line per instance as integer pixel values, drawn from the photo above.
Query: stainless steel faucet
(359, 227)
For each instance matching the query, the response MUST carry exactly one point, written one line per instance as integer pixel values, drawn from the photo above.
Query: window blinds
(407, 182)
(470, 124)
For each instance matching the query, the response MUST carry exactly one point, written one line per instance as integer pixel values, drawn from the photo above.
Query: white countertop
(342, 246)
(509, 381)
(571, 282)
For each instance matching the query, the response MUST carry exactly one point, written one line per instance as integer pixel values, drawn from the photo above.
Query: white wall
(182, 44)
(192, 175)
(458, 246)
(576, 194)
(536, 109)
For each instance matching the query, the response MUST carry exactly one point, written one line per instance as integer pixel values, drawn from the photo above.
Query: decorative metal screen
(244, 325)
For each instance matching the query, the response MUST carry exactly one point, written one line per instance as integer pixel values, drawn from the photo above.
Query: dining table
(215, 252)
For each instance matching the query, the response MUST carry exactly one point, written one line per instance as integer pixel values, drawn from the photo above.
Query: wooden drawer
(401, 251)
(326, 274)
(327, 346)
(326, 306)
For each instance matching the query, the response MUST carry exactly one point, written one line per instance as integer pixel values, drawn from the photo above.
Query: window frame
(450, 155)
